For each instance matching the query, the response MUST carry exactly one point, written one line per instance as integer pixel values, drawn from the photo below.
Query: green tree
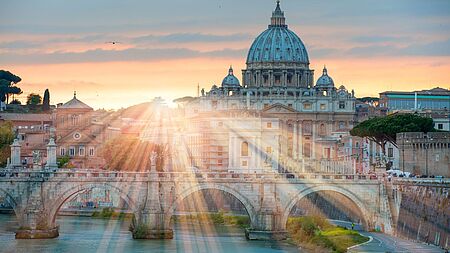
(7, 85)
(34, 99)
(6, 139)
(63, 161)
(382, 130)
(46, 101)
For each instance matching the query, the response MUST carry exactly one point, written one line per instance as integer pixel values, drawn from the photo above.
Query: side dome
(230, 81)
(325, 80)
(278, 43)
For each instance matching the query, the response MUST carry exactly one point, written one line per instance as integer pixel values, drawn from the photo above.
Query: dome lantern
(278, 18)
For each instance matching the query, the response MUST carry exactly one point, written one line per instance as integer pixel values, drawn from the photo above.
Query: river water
(84, 235)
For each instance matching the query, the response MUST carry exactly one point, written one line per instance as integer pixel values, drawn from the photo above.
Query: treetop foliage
(7, 136)
(384, 129)
(8, 76)
(34, 99)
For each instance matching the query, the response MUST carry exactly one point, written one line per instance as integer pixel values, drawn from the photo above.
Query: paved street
(386, 243)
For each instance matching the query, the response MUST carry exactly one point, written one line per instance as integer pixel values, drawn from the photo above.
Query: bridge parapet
(423, 181)
(183, 176)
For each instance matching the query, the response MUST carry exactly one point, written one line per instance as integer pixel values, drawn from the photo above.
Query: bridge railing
(421, 180)
(88, 174)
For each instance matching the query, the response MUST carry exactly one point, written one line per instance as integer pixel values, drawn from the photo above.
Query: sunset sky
(168, 47)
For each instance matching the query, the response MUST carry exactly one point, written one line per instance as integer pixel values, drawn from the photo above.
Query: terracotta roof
(26, 116)
(74, 103)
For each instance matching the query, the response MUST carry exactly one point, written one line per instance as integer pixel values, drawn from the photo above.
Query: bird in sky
(113, 42)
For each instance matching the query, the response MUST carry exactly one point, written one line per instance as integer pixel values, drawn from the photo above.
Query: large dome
(278, 43)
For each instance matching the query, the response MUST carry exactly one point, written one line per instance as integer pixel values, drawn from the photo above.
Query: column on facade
(295, 137)
(260, 79)
(260, 153)
(270, 78)
(313, 125)
(300, 146)
(231, 148)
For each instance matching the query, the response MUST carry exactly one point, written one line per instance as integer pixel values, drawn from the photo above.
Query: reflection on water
(78, 234)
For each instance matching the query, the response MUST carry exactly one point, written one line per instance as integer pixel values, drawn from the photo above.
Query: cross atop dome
(230, 71)
(278, 18)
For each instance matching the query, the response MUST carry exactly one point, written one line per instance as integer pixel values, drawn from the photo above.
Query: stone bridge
(37, 196)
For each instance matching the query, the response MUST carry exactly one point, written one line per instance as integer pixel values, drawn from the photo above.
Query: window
(220, 124)
(214, 104)
(244, 148)
(307, 128)
(266, 105)
(290, 105)
(268, 150)
(277, 79)
(62, 151)
(219, 162)
(323, 107)
(74, 120)
(81, 151)
(72, 151)
(440, 126)
(91, 151)
(341, 124)
(220, 148)
(307, 150)
(244, 163)
(390, 152)
(341, 104)
(266, 79)
(326, 153)
(322, 130)
(307, 106)
(269, 125)
(289, 79)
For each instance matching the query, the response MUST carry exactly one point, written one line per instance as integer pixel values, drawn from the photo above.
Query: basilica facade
(277, 119)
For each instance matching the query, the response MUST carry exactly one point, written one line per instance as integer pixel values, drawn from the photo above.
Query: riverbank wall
(424, 213)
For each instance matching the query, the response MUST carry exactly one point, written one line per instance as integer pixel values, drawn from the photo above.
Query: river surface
(84, 235)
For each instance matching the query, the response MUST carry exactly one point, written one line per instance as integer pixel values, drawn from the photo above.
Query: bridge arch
(351, 196)
(10, 199)
(209, 186)
(73, 190)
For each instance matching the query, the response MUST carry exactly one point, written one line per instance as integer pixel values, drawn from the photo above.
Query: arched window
(322, 130)
(244, 148)
(74, 120)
